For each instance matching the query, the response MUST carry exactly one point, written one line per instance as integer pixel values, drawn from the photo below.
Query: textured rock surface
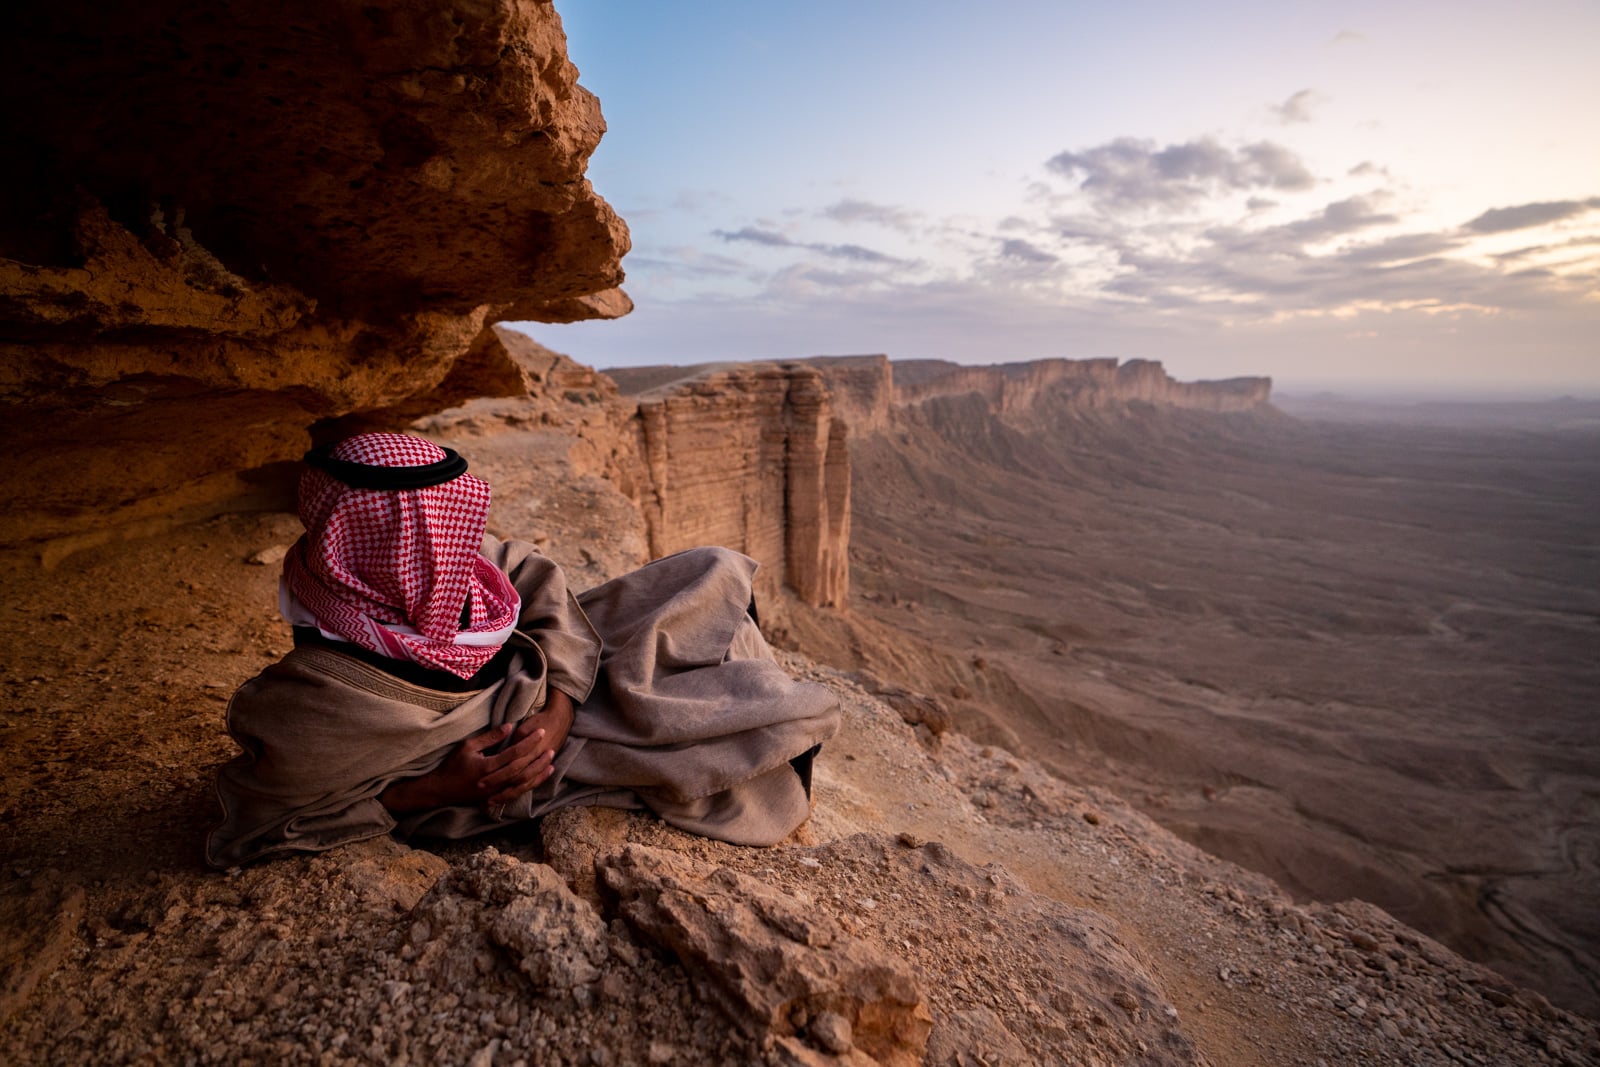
(756, 456)
(776, 966)
(38, 919)
(753, 458)
(863, 389)
(1014, 388)
(230, 222)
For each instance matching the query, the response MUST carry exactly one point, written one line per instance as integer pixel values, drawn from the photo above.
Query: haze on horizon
(1360, 197)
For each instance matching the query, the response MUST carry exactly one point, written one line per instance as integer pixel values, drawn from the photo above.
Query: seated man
(444, 684)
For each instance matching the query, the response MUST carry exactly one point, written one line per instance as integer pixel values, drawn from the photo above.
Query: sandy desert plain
(1357, 649)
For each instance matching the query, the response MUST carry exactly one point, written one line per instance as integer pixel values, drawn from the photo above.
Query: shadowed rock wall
(228, 222)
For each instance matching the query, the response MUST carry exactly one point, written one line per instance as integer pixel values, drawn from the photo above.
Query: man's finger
(514, 750)
(529, 778)
(513, 770)
(485, 738)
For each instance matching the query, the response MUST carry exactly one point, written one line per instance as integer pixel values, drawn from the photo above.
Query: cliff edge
(870, 388)
(949, 902)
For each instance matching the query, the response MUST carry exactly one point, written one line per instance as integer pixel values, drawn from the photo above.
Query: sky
(1361, 197)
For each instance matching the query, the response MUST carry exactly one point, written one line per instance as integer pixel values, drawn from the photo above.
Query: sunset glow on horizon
(1354, 196)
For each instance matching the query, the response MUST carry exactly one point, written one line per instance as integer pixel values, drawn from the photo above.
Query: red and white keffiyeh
(391, 569)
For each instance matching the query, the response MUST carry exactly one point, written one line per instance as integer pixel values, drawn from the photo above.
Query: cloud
(689, 262)
(803, 280)
(755, 236)
(1025, 252)
(1409, 246)
(1341, 217)
(853, 211)
(773, 239)
(1263, 275)
(1546, 249)
(1523, 216)
(1298, 107)
(1338, 219)
(1134, 174)
(1349, 37)
(856, 252)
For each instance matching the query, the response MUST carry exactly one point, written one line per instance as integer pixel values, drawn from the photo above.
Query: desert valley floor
(1361, 656)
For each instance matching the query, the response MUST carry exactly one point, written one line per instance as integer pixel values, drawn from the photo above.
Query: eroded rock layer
(870, 386)
(228, 222)
(751, 457)
(756, 455)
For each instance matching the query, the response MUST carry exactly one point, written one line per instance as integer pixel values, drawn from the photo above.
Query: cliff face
(752, 458)
(756, 457)
(228, 223)
(868, 387)
(863, 389)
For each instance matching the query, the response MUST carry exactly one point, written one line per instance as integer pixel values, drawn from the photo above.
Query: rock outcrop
(778, 968)
(752, 458)
(870, 387)
(228, 223)
(756, 456)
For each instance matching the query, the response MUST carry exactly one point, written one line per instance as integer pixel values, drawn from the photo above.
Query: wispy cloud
(756, 236)
(857, 253)
(1134, 174)
(1576, 244)
(855, 211)
(1025, 252)
(1399, 249)
(803, 280)
(1298, 107)
(1524, 216)
(773, 239)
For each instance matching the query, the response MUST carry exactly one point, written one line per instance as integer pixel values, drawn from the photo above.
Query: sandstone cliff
(751, 456)
(870, 387)
(231, 223)
(754, 456)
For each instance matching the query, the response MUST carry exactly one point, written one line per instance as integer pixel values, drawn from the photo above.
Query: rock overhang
(232, 222)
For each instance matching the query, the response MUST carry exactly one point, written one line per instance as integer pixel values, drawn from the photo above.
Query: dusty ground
(1359, 658)
(1095, 937)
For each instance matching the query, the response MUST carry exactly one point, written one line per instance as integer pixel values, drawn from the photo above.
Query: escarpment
(870, 387)
(229, 224)
(752, 457)
(756, 456)
(749, 456)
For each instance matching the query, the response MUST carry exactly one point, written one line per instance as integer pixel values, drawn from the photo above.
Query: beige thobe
(680, 708)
